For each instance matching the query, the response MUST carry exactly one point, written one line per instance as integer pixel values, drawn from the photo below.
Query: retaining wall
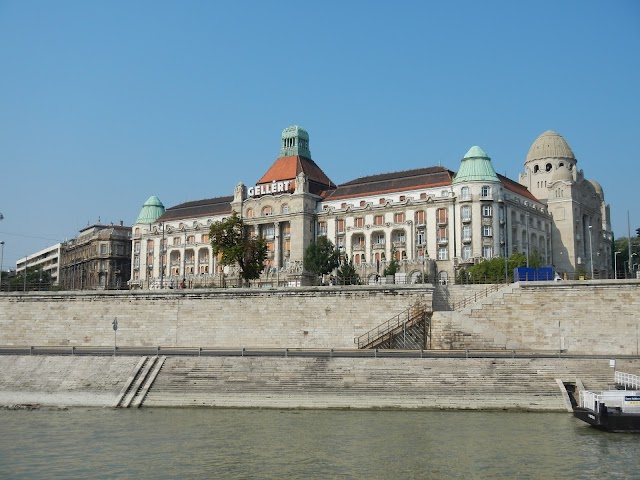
(313, 317)
(587, 317)
(308, 382)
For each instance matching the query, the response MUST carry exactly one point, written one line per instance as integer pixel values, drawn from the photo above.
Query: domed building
(431, 220)
(581, 226)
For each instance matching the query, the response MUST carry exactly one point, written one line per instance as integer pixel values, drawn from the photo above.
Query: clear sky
(105, 103)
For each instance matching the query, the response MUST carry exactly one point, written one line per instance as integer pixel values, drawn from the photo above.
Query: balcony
(399, 244)
(442, 221)
(443, 240)
(358, 247)
(466, 239)
(466, 219)
(379, 246)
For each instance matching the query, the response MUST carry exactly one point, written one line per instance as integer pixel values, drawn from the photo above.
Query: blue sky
(105, 103)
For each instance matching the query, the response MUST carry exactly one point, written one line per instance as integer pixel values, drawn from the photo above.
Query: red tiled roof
(517, 188)
(288, 168)
(392, 182)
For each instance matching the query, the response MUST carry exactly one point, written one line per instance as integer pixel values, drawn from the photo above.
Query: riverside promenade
(543, 335)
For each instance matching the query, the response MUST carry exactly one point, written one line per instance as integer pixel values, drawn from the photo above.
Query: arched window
(249, 212)
(267, 211)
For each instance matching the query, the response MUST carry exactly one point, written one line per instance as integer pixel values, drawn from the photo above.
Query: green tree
(37, 279)
(347, 274)
(622, 245)
(232, 239)
(392, 267)
(493, 270)
(321, 256)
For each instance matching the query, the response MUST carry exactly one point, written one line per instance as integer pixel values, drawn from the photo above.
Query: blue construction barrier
(528, 274)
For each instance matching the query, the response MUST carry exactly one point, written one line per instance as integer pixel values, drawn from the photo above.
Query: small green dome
(151, 210)
(476, 167)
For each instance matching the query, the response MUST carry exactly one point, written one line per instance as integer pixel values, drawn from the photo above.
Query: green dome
(151, 210)
(476, 167)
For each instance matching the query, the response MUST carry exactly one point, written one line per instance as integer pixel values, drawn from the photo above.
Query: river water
(277, 444)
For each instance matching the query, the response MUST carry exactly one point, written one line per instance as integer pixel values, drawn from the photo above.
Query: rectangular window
(378, 220)
(286, 230)
(103, 249)
(421, 237)
(466, 233)
(119, 249)
(399, 237)
(399, 218)
(442, 234)
(465, 213)
(191, 239)
(465, 194)
(359, 240)
(176, 241)
(485, 192)
(441, 215)
(340, 226)
(136, 247)
(379, 238)
(486, 230)
(205, 238)
(486, 210)
(270, 231)
(359, 222)
(466, 252)
(443, 253)
(421, 217)
(322, 228)
(487, 251)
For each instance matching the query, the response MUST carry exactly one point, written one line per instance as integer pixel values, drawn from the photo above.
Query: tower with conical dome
(581, 228)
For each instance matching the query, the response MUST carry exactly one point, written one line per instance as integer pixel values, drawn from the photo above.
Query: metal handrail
(476, 296)
(406, 318)
(628, 380)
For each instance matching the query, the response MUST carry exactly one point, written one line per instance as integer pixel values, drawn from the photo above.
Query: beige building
(98, 258)
(581, 234)
(432, 220)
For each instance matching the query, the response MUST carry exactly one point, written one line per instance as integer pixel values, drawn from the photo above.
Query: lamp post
(1, 259)
(527, 215)
(591, 249)
(615, 265)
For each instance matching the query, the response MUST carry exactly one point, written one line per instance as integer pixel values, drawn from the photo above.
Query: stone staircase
(320, 382)
(144, 374)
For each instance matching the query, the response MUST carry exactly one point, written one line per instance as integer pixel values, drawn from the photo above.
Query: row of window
(267, 211)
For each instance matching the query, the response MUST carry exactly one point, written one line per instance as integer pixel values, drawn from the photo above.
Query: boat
(616, 410)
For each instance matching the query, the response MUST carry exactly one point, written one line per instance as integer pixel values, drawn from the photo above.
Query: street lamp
(591, 250)
(527, 240)
(615, 265)
(1, 259)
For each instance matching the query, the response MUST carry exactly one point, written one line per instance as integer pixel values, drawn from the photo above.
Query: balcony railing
(379, 246)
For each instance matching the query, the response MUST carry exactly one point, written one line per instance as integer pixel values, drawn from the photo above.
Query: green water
(273, 444)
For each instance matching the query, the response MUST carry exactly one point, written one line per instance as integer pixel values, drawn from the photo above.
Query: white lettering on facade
(269, 188)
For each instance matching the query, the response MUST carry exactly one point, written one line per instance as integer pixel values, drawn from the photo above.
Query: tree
(493, 270)
(37, 279)
(392, 267)
(232, 239)
(321, 257)
(347, 272)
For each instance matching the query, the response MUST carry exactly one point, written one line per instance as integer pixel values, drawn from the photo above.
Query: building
(99, 258)
(582, 236)
(46, 260)
(432, 220)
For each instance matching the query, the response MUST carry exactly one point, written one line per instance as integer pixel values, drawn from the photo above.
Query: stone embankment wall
(313, 317)
(589, 317)
(308, 382)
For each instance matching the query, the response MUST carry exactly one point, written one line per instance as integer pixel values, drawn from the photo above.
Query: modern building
(46, 260)
(432, 220)
(99, 258)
